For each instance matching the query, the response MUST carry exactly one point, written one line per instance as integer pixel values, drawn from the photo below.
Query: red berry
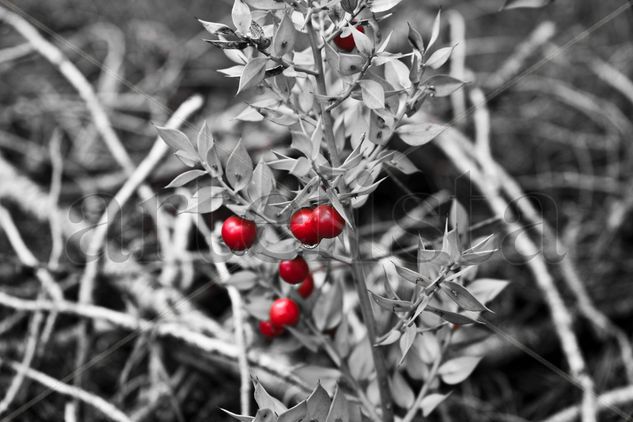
(306, 287)
(269, 329)
(238, 233)
(328, 221)
(347, 43)
(284, 311)
(293, 271)
(303, 227)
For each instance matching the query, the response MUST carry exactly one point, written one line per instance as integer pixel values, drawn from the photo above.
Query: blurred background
(560, 99)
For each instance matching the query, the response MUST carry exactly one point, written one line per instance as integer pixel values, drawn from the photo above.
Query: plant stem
(427, 384)
(357, 269)
(328, 123)
(347, 374)
(368, 317)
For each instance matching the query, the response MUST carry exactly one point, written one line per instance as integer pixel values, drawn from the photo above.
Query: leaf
(262, 182)
(451, 317)
(318, 405)
(284, 249)
(253, 73)
(415, 39)
(339, 410)
(412, 276)
(361, 364)
(402, 163)
(486, 289)
(373, 94)
(363, 43)
(239, 167)
(458, 217)
(265, 400)
(475, 258)
(516, 4)
(430, 402)
(391, 304)
(243, 280)
(392, 337)
(406, 341)
(350, 64)
(328, 309)
(379, 6)
(295, 413)
(462, 297)
(430, 262)
(435, 32)
(241, 418)
(401, 393)
(204, 141)
(186, 177)
(397, 74)
(309, 341)
(176, 140)
(451, 244)
(203, 205)
(443, 85)
(216, 28)
(249, 114)
(457, 370)
(241, 16)
(284, 38)
(439, 57)
(265, 415)
(427, 347)
(418, 134)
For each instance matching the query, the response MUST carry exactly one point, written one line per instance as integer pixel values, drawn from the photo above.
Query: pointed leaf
(373, 94)
(284, 38)
(239, 167)
(391, 304)
(328, 309)
(406, 341)
(241, 15)
(439, 57)
(486, 289)
(379, 6)
(430, 402)
(339, 411)
(262, 182)
(443, 85)
(418, 134)
(462, 297)
(176, 140)
(457, 370)
(295, 413)
(516, 4)
(266, 401)
(186, 177)
(435, 32)
(318, 405)
(402, 394)
(253, 73)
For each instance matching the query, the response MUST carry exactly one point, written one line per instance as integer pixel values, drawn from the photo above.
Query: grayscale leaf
(239, 167)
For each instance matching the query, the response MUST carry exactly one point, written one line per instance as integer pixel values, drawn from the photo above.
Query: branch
(606, 401)
(51, 383)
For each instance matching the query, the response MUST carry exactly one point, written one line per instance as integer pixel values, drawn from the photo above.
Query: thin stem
(347, 374)
(328, 123)
(368, 317)
(427, 384)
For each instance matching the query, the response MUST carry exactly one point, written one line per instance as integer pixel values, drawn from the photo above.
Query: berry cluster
(309, 226)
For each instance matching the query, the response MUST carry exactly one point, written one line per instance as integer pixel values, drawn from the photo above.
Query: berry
(306, 287)
(347, 43)
(284, 311)
(238, 233)
(293, 271)
(270, 330)
(329, 222)
(303, 227)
